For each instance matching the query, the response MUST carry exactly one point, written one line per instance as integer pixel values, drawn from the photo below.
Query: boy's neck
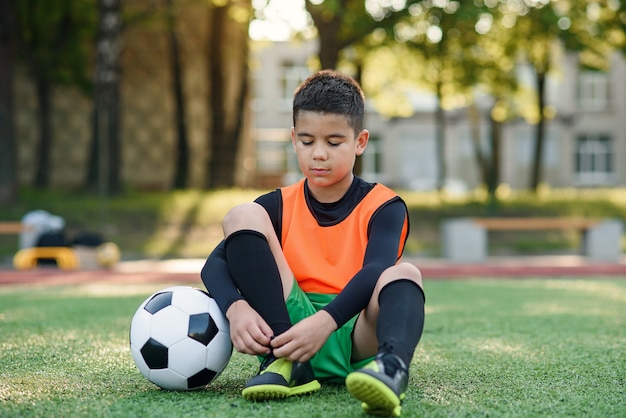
(331, 194)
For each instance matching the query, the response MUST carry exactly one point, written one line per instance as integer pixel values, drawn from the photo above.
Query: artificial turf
(500, 347)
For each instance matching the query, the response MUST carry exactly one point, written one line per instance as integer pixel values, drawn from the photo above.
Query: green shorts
(332, 362)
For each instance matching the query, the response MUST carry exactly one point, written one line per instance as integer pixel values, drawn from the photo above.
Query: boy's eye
(306, 142)
(334, 144)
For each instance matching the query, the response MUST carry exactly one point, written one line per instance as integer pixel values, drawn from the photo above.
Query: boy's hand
(249, 333)
(305, 338)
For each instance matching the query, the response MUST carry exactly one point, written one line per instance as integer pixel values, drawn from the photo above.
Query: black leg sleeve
(401, 318)
(253, 269)
(217, 280)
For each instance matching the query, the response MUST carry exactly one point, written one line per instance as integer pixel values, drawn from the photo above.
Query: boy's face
(326, 147)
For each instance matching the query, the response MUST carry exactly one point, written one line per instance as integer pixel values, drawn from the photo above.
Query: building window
(594, 164)
(593, 90)
(292, 75)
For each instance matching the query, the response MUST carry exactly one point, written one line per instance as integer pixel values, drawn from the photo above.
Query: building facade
(585, 141)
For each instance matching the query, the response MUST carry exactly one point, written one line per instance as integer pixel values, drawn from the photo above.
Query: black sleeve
(217, 281)
(381, 253)
(272, 202)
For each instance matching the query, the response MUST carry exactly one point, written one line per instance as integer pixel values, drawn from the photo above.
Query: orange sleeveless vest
(323, 259)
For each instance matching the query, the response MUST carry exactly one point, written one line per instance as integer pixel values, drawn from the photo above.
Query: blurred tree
(105, 152)
(448, 31)
(436, 50)
(228, 74)
(460, 48)
(592, 28)
(105, 155)
(492, 59)
(343, 23)
(181, 165)
(8, 142)
(53, 43)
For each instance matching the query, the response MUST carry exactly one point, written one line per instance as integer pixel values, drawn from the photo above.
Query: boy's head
(329, 91)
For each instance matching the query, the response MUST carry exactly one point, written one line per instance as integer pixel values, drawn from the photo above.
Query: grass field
(503, 348)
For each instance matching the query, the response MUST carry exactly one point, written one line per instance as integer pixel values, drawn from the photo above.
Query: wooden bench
(465, 239)
(12, 227)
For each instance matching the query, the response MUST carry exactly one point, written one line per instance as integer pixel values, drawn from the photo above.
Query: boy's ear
(293, 137)
(361, 141)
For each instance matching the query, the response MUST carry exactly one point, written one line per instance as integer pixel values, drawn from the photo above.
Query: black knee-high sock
(253, 269)
(401, 318)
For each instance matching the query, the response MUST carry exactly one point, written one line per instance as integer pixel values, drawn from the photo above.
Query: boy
(308, 274)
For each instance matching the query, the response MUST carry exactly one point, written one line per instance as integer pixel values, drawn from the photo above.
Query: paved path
(188, 271)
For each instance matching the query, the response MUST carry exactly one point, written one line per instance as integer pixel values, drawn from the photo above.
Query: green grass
(187, 223)
(506, 348)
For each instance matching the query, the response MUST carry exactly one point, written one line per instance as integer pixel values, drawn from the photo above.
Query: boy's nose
(319, 153)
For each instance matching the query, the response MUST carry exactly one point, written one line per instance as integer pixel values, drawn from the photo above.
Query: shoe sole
(377, 398)
(275, 392)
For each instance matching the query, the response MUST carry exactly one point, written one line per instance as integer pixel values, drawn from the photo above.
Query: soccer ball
(180, 339)
(108, 254)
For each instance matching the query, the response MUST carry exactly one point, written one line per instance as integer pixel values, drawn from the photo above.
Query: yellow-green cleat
(279, 378)
(380, 385)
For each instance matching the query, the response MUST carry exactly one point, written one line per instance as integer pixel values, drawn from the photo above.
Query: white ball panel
(168, 379)
(140, 362)
(140, 327)
(190, 300)
(169, 326)
(219, 352)
(187, 357)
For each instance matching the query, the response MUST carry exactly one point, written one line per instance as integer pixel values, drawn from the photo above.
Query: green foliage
(516, 348)
(56, 39)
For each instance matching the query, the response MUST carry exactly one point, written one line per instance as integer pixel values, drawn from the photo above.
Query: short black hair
(329, 91)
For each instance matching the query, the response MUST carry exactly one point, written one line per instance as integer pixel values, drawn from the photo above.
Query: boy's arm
(381, 253)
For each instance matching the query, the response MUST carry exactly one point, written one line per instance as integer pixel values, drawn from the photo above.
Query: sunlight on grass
(108, 290)
(600, 288)
(190, 221)
(498, 346)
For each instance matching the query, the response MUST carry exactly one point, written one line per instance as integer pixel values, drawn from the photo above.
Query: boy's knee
(245, 216)
(405, 270)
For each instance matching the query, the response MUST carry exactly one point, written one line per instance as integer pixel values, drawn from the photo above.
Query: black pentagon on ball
(155, 354)
(158, 302)
(200, 379)
(202, 328)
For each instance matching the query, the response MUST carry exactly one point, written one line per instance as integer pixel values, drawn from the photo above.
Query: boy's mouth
(319, 171)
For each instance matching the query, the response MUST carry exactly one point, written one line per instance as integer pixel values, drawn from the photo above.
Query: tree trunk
(42, 167)
(493, 174)
(181, 168)
(479, 154)
(328, 33)
(228, 81)
(495, 139)
(537, 174)
(329, 50)
(488, 162)
(106, 147)
(440, 138)
(8, 146)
